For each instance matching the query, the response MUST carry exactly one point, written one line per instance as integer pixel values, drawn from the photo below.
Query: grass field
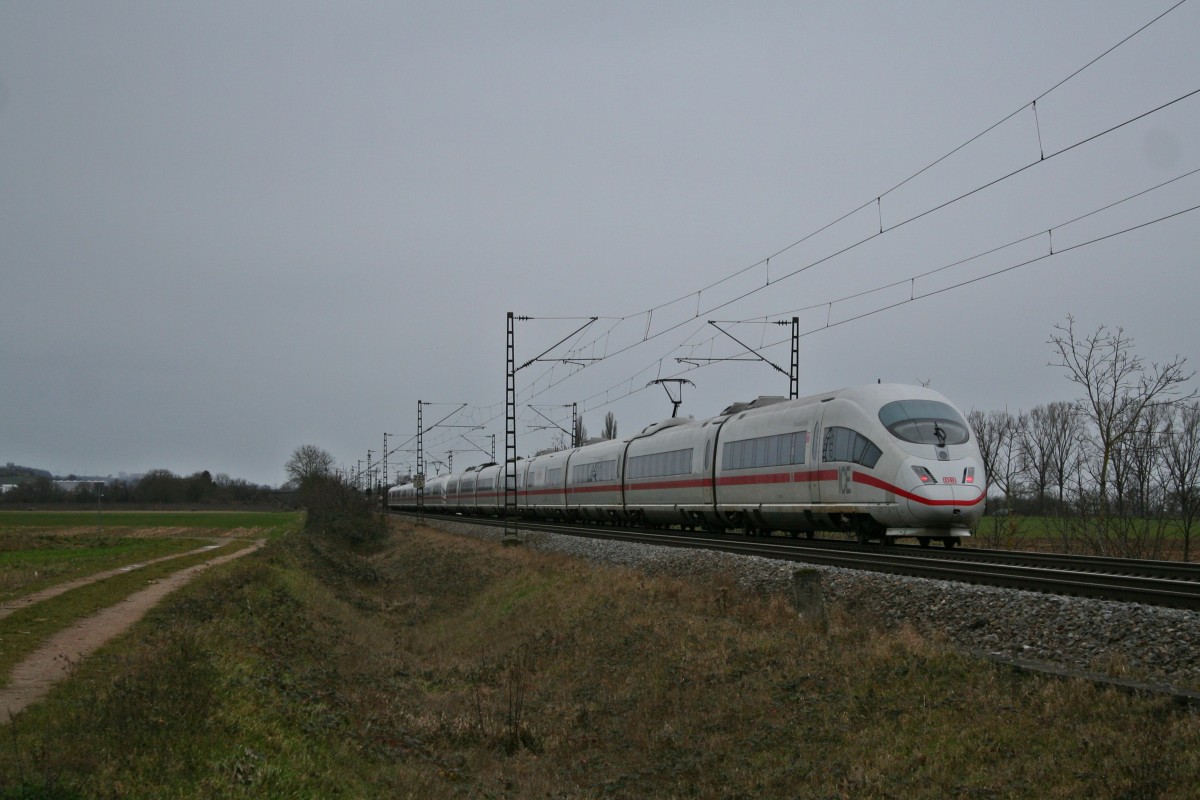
(443, 667)
(1140, 538)
(41, 548)
(23, 630)
(31, 563)
(271, 522)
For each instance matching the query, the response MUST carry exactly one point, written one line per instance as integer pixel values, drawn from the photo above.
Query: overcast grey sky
(231, 228)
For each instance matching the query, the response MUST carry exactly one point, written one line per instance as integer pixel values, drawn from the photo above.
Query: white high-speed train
(880, 461)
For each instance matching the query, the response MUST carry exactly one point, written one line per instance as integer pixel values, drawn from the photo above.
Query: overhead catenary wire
(617, 392)
(916, 297)
(909, 279)
(630, 386)
(922, 170)
(648, 336)
(550, 378)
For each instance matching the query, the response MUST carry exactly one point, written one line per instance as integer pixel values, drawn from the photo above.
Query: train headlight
(969, 475)
(925, 475)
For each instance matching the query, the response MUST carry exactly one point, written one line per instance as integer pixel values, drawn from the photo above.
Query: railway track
(1158, 583)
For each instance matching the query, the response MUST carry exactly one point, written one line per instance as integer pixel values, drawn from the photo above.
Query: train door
(802, 492)
(708, 477)
(834, 473)
(825, 479)
(710, 464)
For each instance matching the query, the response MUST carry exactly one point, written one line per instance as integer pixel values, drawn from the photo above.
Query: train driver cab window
(925, 422)
(843, 444)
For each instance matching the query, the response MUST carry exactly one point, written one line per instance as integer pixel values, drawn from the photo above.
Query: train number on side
(844, 479)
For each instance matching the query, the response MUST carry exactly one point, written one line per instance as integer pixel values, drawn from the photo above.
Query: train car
(880, 461)
(402, 497)
(453, 502)
(522, 487)
(434, 494)
(759, 466)
(668, 474)
(594, 482)
(489, 488)
(545, 484)
(466, 491)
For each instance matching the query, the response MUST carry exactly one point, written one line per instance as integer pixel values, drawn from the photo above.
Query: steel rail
(1109, 565)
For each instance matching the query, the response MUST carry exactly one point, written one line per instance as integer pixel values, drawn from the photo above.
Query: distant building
(72, 485)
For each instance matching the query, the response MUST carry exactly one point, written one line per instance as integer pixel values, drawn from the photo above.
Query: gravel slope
(1127, 640)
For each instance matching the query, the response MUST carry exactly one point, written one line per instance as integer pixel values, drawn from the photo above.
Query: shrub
(338, 510)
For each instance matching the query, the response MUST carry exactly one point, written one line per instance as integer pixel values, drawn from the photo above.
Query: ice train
(879, 461)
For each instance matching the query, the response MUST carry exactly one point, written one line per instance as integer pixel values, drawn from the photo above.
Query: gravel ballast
(1149, 643)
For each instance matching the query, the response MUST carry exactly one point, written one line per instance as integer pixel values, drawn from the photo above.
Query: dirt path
(32, 679)
(9, 606)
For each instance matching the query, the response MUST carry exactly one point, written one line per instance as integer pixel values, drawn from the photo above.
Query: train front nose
(945, 502)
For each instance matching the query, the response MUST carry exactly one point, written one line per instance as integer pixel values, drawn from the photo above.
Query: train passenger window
(765, 451)
(554, 477)
(599, 471)
(844, 444)
(657, 465)
(925, 422)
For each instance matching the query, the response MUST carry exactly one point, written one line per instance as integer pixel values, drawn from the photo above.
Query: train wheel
(949, 543)
(923, 541)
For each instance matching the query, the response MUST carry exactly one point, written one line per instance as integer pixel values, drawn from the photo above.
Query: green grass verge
(440, 667)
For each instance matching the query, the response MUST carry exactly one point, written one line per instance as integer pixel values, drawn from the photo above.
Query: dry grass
(438, 666)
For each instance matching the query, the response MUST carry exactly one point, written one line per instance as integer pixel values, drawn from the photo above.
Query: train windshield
(925, 422)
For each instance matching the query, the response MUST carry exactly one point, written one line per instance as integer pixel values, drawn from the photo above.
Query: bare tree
(580, 433)
(1143, 463)
(307, 462)
(1137, 526)
(998, 436)
(1118, 388)
(610, 426)
(1181, 455)
(1122, 398)
(1048, 443)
